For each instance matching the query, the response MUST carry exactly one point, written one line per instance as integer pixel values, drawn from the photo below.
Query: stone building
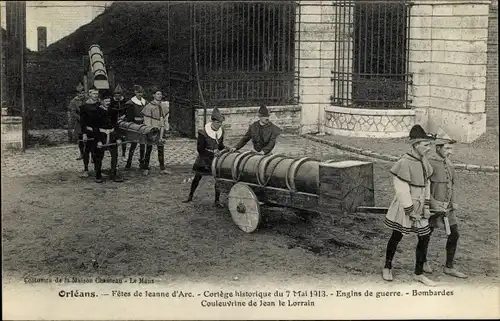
(49, 21)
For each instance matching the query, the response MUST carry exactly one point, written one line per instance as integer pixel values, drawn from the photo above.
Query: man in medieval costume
(155, 115)
(102, 122)
(86, 112)
(443, 200)
(263, 134)
(210, 143)
(118, 104)
(74, 127)
(409, 211)
(134, 114)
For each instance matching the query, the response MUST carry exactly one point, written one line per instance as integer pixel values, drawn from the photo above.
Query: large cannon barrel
(137, 131)
(278, 171)
(98, 67)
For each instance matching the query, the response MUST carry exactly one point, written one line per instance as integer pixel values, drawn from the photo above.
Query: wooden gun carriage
(253, 180)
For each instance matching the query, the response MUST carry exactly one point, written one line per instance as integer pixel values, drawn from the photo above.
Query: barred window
(372, 55)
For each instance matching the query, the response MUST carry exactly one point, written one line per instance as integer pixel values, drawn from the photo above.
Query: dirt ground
(57, 224)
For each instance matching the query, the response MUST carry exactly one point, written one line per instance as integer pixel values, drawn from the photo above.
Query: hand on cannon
(84, 137)
(427, 212)
(217, 153)
(231, 149)
(99, 145)
(118, 142)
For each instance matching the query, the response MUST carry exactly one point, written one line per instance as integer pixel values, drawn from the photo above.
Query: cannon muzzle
(98, 68)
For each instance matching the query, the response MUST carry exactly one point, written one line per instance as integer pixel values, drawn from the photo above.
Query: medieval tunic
(87, 112)
(74, 109)
(263, 137)
(412, 189)
(442, 189)
(134, 109)
(208, 141)
(155, 114)
(120, 108)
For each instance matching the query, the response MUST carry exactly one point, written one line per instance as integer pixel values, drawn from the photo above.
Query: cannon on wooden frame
(252, 180)
(138, 133)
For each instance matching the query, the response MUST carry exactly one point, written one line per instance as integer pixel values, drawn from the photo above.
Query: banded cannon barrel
(305, 184)
(139, 132)
(98, 67)
(278, 171)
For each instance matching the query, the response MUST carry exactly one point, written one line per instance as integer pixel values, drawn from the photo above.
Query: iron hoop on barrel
(290, 181)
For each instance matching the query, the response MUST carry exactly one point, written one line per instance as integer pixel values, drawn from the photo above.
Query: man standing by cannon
(134, 109)
(102, 123)
(210, 143)
(155, 115)
(74, 127)
(443, 200)
(118, 104)
(263, 134)
(87, 109)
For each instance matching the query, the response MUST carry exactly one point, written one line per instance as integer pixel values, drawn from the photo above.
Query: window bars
(371, 54)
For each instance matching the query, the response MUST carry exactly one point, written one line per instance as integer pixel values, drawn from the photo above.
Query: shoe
(218, 205)
(98, 180)
(190, 198)
(165, 172)
(387, 274)
(423, 279)
(84, 174)
(116, 178)
(454, 272)
(79, 157)
(427, 268)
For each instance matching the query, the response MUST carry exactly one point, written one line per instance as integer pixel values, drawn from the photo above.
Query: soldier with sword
(102, 124)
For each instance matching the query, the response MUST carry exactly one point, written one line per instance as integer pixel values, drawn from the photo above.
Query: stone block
(420, 33)
(459, 69)
(465, 46)
(438, 45)
(474, 34)
(446, 34)
(420, 91)
(421, 11)
(446, 22)
(439, 56)
(421, 79)
(476, 106)
(468, 58)
(449, 93)
(308, 18)
(470, 10)
(463, 127)
(310, 8)
(309, 63)
(458, 81)
(442, 10)
(310, 72)
(416, 44)
(420, 56)
(420, 101)
(420, 67)
(421, 22)
(477, 95)
(474, 22)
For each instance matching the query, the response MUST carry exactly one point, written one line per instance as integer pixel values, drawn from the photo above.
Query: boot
(423, 279)
(98, 180)
(116, 178)
(387, 274)
(454, 272)
(84, 174)
(189, 199)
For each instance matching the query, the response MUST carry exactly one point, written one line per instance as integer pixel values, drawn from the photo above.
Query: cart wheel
(244, 207)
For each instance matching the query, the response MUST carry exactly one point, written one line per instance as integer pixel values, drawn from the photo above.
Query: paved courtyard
(178, 152)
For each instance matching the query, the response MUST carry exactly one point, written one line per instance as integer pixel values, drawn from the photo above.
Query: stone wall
(448, 60)
(238, 119)
(492, 70)
(12, 132)
(316, 61)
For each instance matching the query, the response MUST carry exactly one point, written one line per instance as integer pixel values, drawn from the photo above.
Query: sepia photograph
(250, 160)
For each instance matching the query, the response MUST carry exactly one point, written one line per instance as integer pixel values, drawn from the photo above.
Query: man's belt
(105, 131)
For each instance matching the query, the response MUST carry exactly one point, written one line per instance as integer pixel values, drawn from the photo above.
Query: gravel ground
(483, 151)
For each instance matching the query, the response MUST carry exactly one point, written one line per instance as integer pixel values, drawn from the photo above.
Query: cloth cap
(118, 90)
(443, 138)
(93, 90)
(138, 88)
(263, 111)
(80, 87)
(418, 134)
(216, 115)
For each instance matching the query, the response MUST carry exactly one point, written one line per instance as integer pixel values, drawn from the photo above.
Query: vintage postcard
(249, 160)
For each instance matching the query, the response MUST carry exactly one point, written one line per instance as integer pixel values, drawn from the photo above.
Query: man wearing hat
(210, 143)
(134, 109)
(74, 127)
(263, 134)
(86, 112)
(443, 199)
(155, 114)
(409, 211)
(102, 122)
(118, 104)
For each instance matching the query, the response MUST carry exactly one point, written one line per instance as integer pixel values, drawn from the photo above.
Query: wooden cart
(252, 180)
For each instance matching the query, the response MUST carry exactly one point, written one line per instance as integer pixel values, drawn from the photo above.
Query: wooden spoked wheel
(244, 207)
